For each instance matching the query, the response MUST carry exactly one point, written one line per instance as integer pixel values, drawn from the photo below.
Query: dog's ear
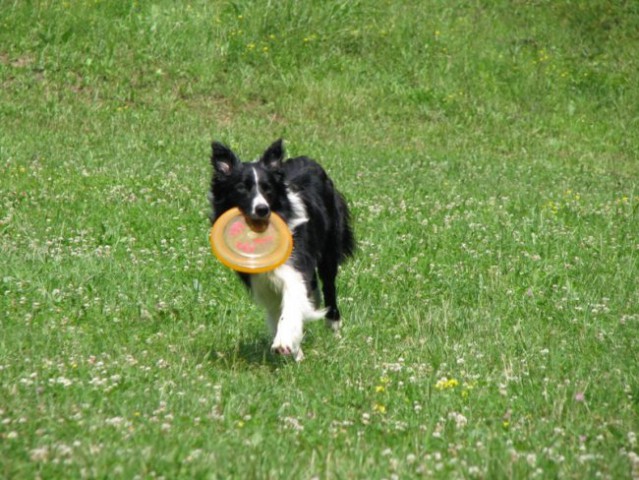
(274, 155)
(223, 159)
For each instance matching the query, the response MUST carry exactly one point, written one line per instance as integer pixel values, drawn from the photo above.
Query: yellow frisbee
(242, 248)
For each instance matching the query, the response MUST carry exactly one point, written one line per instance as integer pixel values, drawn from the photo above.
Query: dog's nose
(262, 210)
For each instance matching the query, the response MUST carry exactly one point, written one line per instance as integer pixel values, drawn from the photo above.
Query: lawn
(490, 154)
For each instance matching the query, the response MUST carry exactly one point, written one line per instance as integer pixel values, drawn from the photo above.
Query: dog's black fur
(300, 191)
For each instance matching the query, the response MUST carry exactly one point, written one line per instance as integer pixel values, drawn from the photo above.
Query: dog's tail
(346, 239)
(311, 314)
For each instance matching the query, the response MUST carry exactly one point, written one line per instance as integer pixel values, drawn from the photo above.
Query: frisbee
(240, 247)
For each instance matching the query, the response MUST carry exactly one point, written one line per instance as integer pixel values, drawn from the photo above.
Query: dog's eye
(266, 188)
(241, 188)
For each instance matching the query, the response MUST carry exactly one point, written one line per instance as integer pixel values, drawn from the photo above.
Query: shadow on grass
(251, 353)
(246, 354)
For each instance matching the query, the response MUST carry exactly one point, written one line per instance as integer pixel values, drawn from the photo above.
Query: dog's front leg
(290, 324)
(289, 335)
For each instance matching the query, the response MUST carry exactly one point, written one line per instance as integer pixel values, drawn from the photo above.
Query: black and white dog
(300, 191)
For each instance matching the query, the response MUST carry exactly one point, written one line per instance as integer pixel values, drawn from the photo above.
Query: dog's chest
(267, 289)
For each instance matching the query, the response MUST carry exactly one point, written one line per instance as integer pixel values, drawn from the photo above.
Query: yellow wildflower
(379, 408)
(445, 383)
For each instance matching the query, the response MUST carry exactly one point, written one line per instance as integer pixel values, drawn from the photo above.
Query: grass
(489, 153)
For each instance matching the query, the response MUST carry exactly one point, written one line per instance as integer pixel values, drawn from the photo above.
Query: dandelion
(379, 408)
(543, 56)
(551, 206)
(310, 38)
(466, 390)
(445, 383)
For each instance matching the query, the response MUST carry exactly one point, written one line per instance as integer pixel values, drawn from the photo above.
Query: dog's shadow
(247, 354)
(251, 353)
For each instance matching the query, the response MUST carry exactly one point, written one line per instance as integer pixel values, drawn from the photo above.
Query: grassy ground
(490, 152)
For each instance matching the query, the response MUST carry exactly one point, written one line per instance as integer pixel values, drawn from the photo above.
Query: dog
(299, 191)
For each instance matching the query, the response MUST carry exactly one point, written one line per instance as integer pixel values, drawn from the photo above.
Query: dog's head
(256, 188)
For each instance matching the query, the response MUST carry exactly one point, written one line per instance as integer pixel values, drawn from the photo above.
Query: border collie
(300, 191)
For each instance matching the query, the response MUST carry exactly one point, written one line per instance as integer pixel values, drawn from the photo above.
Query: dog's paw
(287, 342)
(333, 325)
(298, 355)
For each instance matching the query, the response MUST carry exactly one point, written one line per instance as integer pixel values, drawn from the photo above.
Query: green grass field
(490, 153)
